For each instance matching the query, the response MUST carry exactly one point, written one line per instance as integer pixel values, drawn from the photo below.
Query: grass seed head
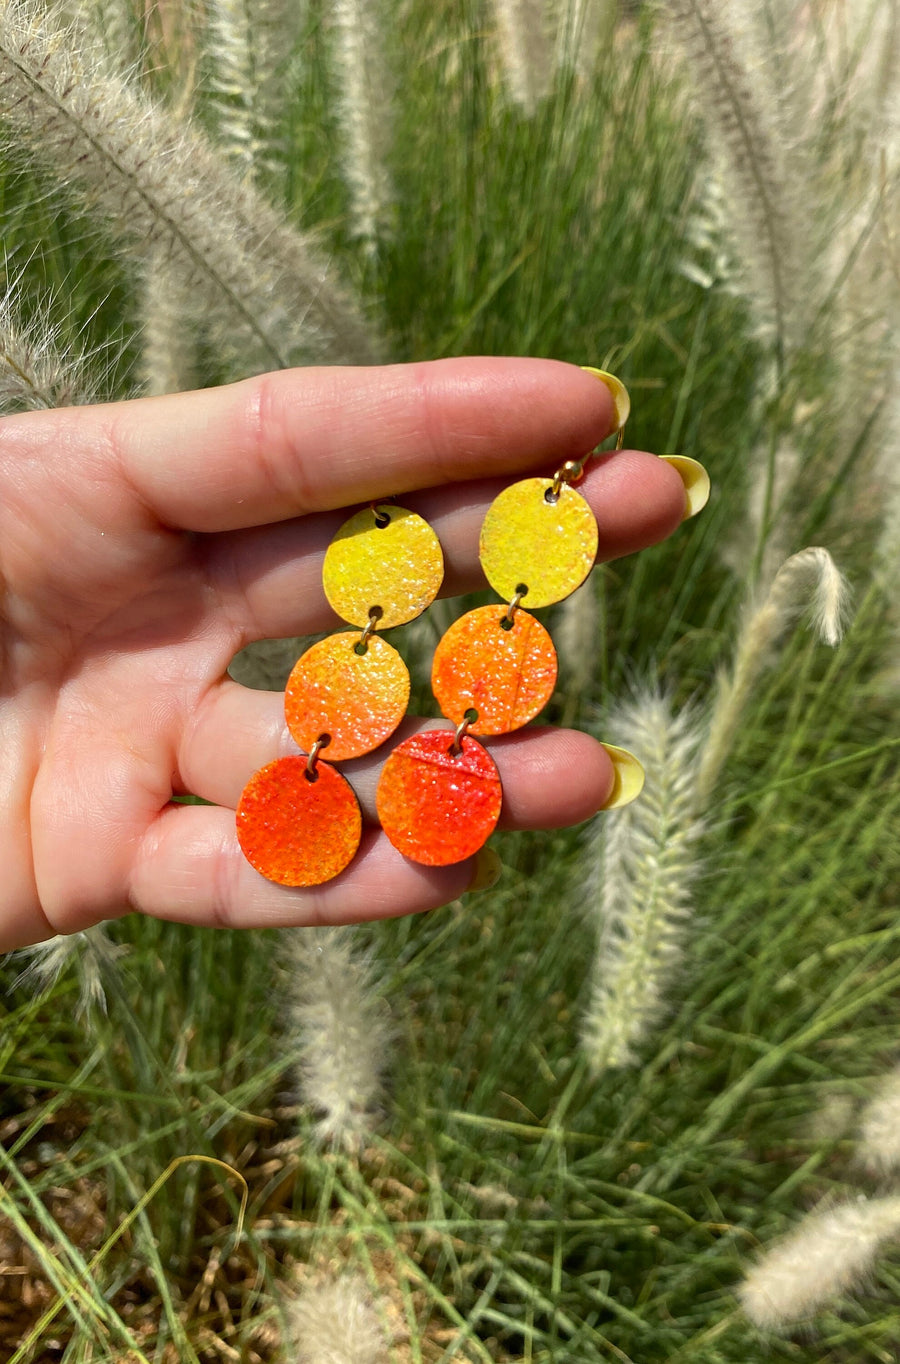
(826, 1256)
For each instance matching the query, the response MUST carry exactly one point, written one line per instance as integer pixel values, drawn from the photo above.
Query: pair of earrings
(439, 794)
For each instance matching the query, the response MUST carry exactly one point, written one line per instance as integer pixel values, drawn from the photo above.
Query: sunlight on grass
(503, 1199)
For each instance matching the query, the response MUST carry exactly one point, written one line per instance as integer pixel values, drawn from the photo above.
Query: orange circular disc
(385, 556)
(506, 675)
(548, 547)
(437, 807)
(357, 699)
(296, 831)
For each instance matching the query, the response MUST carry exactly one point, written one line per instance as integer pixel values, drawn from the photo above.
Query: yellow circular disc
(357, 699)
(549, 547)
(386, 557)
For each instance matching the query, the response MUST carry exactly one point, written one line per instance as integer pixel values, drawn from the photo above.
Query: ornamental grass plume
(91, 954)
(114, 24)
(363, 108)
(802, 109)
(335, 1323)
(739, 109)
(342, 1028)
(168, 330)
(233, 80)
(37, 370)
(526, 51)
(581, 27)
(647, 864)
(810, 579)
(826, 1256)
(879, 1128)
(160, 186)
(648, 856)
(244, 44)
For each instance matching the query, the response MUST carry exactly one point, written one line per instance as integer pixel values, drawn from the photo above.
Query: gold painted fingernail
(695, 480)
(487, 870)
(629, 778)
(621, 400)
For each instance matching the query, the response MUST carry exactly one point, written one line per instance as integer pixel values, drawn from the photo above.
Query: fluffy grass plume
(740, 120)
(526, 52)
(515, 1208)
(335, 1323)
(169, 329)
(37, 369)
(827, 1255)
(159, 185)
(879, 1128)
(230, 42)
(582, 25)
(363, 102)
(647, 864)
(339, 1022)
(244, 44)
(114, 24)
(800, 108)
(91, 954)
(810, 581)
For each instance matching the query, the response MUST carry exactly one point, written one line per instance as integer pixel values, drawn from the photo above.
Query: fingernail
(487, 870)
(621, 400)
(629, 778)
(695, 480)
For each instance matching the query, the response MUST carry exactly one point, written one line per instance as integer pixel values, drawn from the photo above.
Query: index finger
(296, 441)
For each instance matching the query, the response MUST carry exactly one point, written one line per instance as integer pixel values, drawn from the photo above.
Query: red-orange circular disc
(358, 699)
(437, 807)
(507, 676)
(296, 831)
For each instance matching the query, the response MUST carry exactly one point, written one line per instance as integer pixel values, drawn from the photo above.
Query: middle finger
(269, 579)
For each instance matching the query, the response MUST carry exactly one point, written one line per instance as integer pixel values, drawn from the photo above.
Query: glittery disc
(507, 676)
(550, 547)
(435, 807)
(358, 699)
(295, 831)
(397, 566)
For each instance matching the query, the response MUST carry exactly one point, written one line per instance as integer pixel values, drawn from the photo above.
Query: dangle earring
(439, 795)
(298, 820)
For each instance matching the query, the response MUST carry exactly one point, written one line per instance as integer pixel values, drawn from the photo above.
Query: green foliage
(511, 1205)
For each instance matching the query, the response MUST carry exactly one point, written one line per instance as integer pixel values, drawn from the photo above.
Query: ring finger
(270, 579)
(237, 731)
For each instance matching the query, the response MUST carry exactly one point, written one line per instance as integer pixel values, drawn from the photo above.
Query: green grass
(510, 1205)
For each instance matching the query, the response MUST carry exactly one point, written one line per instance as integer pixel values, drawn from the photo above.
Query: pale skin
(143, 543)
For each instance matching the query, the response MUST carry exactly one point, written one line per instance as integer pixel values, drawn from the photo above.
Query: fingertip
(639, 500)
(695, 480)
(552, 778)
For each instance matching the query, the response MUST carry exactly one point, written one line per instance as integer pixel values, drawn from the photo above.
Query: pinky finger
(191, 870)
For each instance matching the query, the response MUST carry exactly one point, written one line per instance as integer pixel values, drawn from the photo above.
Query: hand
(142, 544)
